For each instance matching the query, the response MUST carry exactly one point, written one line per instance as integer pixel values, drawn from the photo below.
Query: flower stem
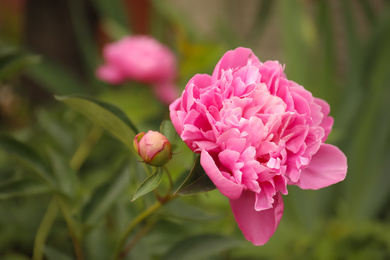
(72, 229)
(134, 223)
(170, 179)
(136, 238)
(138, 220)
(44, 228)
(86, 146)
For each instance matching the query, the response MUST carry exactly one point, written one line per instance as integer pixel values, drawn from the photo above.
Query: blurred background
(338, 49)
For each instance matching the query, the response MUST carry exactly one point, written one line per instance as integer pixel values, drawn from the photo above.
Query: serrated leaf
(108, 116)
(104, 197)
(27, 156)
(201, 246)
(20, 188)
(196, 182)
(149, 184)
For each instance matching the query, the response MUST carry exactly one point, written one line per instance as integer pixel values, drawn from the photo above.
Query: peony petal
(167, 92)
(239, 57)
(257, 226)
(110, 74)
(228, 158)
(265, 198)
(227, 187)
(327, 166)
(327, 121)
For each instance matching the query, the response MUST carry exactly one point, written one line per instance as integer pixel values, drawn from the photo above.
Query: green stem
(44, 228)
(77, 160)
(170, 179)
(133, 224)
(86, 146)
(136, 238)
(72, 229)
(138, 220)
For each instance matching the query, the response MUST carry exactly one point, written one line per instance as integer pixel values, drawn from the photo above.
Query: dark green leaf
(66, 177)
(201, 246)
(27, 156)
(178, 210)
(44, 229)
(55, 78)
(53, 254)
(114, 10)
(84, 36)
(115, 30)
(168, 130)
(196, 182)
(149, 184)
(13, 61)
(263, 14)
(19, 188)
(104, 197)
(106, 115)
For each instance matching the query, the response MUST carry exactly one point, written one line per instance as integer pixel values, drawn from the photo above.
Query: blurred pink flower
(167, 92)
(257, 132)
(143, 59)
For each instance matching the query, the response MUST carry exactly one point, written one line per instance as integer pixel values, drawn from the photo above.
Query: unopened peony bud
(153, 147)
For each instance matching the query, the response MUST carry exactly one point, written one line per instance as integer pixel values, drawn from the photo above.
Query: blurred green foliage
(66, 183)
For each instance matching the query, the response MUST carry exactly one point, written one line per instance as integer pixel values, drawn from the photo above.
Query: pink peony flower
(139, 58)
(167, 92)
(153, 147)
(257, 132)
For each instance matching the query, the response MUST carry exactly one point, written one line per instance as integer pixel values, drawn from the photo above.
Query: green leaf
(65, 176)
(178, 210)
(84, 36)
(55, 78)
(201, 246)
(168, 130)
(264, 12)
(108, 116)
(44, 229)
(196, 182)
(149, 184)
(21, 187)
(13, 61)
(104, 197)
(115, 30)
(53, 254)
(27, 156)
(114, 10)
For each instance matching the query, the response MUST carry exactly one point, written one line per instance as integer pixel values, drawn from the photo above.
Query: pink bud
(153, 147)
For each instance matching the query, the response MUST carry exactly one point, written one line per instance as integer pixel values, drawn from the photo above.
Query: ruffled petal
(174, 112)
(327, 166)
(227, 187)
(327, 121)
(257, 226)
(239, 57)
(110, 74)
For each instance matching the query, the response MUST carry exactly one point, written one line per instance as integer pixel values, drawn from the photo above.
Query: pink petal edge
(328, 166)
(257, 226)
(227, 187)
